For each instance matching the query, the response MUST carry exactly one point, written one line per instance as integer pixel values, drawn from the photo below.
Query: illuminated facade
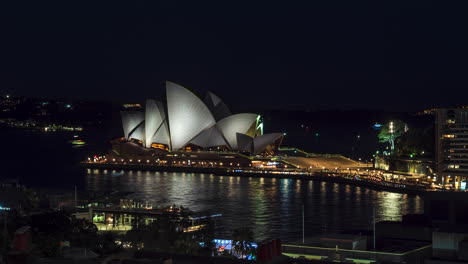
(185, 122)
(452, 146)
(256, 145)
(133, 123)
(239, 123)
(155, 124)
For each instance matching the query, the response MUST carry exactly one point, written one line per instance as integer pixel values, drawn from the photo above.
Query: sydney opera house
(184, 123)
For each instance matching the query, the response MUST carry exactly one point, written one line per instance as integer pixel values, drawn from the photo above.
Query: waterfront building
(414, 167)
(184, 122)
(12, 195)
(130, 213)
(443, 224)
(185, 131)
(451, 141)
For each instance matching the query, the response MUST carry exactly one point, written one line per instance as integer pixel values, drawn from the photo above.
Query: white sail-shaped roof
(261, 142)
(187, 114)
(238, 123)
(130, 121)
(214, 98)
(139, 133)
(210, 137)
(162, 134)
(155, 123)
(217, 107)
(244, 142)
(152, 121)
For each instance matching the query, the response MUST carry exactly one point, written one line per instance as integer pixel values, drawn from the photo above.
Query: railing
(348, 255)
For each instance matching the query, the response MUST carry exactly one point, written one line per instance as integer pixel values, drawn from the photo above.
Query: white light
(187, 115)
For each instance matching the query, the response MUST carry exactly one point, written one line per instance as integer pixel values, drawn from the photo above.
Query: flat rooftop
(325, 161)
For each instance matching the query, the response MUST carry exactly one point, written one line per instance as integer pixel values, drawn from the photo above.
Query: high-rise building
(452, 146)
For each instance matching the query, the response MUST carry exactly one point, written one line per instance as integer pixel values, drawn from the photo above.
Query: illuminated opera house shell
(185, 121)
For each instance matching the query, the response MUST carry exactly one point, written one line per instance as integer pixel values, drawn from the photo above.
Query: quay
(289, 173)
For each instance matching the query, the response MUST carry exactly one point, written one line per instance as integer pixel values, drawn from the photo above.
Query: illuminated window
(132, 105)
(449, 136)
(159, 146)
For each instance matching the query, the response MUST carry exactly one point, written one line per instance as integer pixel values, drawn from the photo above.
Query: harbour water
(271, 207)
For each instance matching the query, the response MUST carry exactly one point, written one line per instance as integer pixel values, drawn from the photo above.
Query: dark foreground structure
(440, 235)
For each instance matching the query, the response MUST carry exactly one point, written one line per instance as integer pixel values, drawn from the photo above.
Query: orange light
(159, 146)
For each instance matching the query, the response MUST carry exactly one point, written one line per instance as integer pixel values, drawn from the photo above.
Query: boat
(120, 173)
(78, 142)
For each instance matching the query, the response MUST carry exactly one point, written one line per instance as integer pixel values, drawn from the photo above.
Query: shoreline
(292, 174)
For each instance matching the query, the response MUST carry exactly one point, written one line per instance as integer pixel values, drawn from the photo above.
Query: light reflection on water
(271, 207)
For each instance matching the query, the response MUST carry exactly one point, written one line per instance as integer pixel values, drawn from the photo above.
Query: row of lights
(163, 161)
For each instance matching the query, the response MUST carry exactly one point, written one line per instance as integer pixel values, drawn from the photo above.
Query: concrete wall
(396, 230)
(404, 165)
(332, 254)
(446, 245)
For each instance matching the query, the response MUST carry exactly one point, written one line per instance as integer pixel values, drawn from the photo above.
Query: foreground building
(186, 123)
(452, 146)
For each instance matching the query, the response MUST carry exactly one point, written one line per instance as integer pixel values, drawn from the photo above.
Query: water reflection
(272, 207)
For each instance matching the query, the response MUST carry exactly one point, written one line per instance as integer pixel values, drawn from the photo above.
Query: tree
(186, 243)
(106, 244)
(4, 236)
(206, 236)
(10, 221)
(48, 245)
(242, 239)
(139, 233)
(391, 131)
(419, 141)
(52, 227)
(83, 233)
(31, 201)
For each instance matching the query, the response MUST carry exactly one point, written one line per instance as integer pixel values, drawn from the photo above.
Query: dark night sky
(399, 55)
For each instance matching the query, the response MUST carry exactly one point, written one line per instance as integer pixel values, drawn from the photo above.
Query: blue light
(377, 126)
(4, 208)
